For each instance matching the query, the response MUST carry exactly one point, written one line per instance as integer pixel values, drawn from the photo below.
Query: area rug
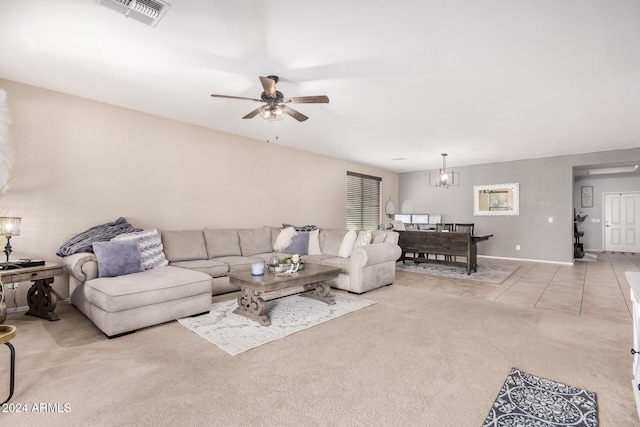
(490, 273)
(236, 334)
(529, 401)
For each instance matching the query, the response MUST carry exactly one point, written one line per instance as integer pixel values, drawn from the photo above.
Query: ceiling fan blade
(269, 86)
(252, 114)
(320, 99)
(293, 113)
(235, 97)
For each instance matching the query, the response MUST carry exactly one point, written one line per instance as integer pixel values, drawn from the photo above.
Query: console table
(449, 244)
(41, 298)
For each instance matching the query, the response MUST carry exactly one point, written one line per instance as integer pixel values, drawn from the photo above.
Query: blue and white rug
(235, 334)
(529, 401)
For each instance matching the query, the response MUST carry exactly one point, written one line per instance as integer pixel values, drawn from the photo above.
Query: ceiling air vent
(147, 11)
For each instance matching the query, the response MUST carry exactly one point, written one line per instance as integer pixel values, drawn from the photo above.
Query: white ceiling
(483, 80)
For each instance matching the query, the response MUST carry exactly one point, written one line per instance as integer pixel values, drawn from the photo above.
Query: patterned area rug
(235, 334)
(490, 273)
(529, 401)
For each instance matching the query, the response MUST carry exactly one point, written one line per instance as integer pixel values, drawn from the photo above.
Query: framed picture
(497, 199)
(586, 196)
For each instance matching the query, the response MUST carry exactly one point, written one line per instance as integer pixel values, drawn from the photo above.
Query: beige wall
(79, 163)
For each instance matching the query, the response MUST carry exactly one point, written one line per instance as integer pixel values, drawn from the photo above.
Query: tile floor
(594, 285)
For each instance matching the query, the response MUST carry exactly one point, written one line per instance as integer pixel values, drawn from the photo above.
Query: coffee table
(250, 303)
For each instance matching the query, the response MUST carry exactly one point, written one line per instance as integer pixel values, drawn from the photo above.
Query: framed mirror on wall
(496, 199)
(390, 208)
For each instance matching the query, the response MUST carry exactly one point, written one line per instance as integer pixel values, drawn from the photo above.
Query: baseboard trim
(526, 259)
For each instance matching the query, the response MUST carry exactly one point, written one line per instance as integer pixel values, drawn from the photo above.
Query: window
(363, 201)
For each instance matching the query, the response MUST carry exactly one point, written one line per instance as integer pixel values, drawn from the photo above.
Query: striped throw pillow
(151, 249)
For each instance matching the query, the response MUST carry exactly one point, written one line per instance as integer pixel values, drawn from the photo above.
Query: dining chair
(444, 227)
(462, 228)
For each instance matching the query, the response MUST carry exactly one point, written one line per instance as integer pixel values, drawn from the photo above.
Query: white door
(621, 222)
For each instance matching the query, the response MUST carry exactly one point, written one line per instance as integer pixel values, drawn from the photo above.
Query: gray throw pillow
(118, 258)
(151, 250)
(299, 244)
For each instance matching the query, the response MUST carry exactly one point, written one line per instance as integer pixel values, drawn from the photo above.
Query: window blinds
(363, 201)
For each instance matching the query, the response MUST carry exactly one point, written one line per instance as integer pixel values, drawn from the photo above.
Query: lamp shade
(10, 226)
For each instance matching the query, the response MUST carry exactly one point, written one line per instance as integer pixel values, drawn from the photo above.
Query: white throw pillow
(347, 244)
(284, 239)
(314, 243)
(364, 237)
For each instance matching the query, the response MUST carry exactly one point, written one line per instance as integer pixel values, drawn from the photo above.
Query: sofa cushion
(330, 241)
(255, 241)
(239, 261)
(151, 249)
(364, 238)
(314, 243)
(118, 258)
(316, 259)
(184, 245)
(149, 287)
(275, 232)
(213, 268)
(222, 242)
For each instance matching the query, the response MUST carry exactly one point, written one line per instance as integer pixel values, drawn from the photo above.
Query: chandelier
(445, 177)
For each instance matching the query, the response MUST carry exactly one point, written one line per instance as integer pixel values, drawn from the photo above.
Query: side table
(41, 298)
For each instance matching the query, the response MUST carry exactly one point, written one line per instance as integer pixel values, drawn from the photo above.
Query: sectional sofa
(199, 262)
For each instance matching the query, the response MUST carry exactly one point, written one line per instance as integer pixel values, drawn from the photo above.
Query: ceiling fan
(276, 107)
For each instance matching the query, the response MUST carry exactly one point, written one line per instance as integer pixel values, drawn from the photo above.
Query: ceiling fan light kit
(276, 107)
(272, 113)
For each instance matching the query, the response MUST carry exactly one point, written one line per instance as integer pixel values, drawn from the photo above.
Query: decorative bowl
(284, 267)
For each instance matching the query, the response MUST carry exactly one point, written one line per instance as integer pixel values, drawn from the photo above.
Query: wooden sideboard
(41, 298)
(448, 244)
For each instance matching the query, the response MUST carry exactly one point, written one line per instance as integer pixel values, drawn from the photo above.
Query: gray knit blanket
(100, 233)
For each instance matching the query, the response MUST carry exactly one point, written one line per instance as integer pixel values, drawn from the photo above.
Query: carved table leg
(42, 300)
(320, 291)
(252, 306)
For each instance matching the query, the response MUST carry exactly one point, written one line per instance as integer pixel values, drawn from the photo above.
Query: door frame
(604, 211)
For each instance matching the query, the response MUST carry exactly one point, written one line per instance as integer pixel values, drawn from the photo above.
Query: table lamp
(9, 226)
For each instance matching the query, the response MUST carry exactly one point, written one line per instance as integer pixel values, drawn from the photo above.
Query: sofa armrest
(82, 266)
(375, 253)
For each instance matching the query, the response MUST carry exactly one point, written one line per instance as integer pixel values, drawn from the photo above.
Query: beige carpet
(416, 358)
